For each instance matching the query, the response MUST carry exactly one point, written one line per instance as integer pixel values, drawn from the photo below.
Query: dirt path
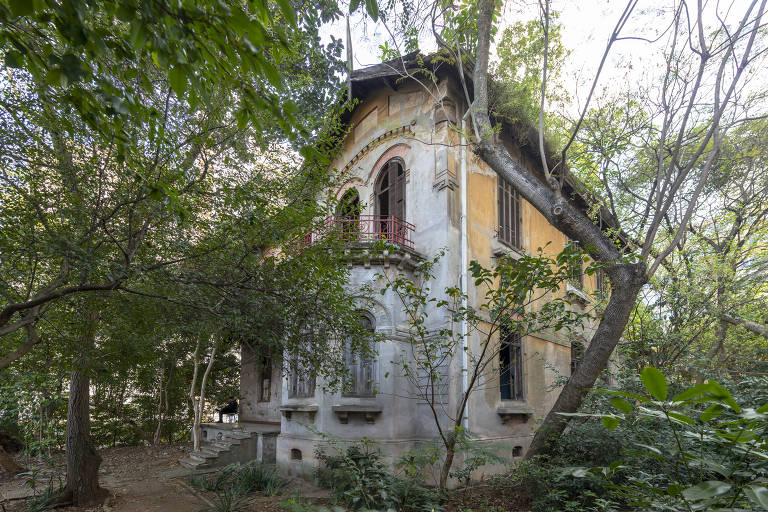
(138, 478)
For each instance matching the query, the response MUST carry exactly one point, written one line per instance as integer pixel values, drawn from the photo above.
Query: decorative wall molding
(390, 134)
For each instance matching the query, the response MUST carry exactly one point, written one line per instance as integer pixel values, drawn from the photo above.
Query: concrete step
(236, 446)
(192, 463)
(212, 454)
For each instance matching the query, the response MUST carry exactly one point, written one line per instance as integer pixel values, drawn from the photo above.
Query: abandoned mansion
(409, 177)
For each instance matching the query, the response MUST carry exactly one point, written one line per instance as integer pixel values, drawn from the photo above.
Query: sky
(586, 27)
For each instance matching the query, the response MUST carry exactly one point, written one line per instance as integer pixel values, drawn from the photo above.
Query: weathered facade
(402, 169)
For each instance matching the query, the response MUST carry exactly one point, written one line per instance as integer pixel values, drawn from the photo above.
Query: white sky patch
(586, 27)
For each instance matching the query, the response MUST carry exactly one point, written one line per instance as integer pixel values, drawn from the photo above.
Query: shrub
(243, 479)
(359, 479)
(714, 455)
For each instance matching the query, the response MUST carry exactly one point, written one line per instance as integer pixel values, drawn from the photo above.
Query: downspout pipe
(464, 265)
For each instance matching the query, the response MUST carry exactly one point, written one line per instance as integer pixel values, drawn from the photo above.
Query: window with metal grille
(602, 285)
(509, 214)
(511, 365)
(575, 270)
(359, 368)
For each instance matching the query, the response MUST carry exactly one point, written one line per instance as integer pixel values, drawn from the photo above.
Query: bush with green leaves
(714, 455)
(359, 479)
(241, 479)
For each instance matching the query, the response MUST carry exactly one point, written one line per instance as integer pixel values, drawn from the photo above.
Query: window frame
(301, 384)
(265, 374)
(361, 372)
(509, 214)
(511, 348)
(575, 274)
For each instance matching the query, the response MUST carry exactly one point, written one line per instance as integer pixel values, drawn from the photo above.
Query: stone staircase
(234, 446)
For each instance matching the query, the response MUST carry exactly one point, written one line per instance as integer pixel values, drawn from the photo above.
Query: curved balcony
(369, 229)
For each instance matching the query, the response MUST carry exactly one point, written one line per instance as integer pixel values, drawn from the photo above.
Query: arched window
(348, 212)
(390, 190)
(390, 201)
(360, 366)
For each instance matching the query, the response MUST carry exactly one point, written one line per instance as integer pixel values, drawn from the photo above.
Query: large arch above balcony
(399, 150)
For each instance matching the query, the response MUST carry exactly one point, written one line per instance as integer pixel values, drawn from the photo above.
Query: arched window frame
(396, 197)
(361, 373)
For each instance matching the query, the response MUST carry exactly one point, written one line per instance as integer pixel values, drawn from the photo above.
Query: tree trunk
(749, 325)
(594, 361)
(8, 464)
(159, 428)
(450, 451)
(82, 489)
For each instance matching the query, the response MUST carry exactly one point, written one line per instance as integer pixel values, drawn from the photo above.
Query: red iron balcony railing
(369, 228)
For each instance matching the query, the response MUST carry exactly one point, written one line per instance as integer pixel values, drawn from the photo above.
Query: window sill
(501, 249)
(369, 411)
(580, 294)
(510, 413)
(288, 411)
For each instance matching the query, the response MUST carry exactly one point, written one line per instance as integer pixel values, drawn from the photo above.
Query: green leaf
(373, 9)
(705, 490)
(758, 494)
(272, 74)
(13, 59)
(627, 394)
(178, 79)
(693, 392)
(681, 418)
(711, 412)
(655, 382)
(22, 7)
(610, 422)
(353, 5)
(621, 405)
(287, 10)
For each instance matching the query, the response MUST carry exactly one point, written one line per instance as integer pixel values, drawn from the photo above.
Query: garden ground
(148, 478)
(139, 479)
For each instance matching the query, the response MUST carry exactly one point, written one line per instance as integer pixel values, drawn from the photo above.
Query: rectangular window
(266, 379)
(575, 270)
(359, 367)
(577, 352)
(509, 214)
(511, 365)
(301, 382)
(359, 374)
(602, 286)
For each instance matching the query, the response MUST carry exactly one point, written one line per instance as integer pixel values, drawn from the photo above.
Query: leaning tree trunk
(9, 465)
(601, 346)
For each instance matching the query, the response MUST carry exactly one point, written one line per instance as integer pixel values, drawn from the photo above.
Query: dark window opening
(577, 352)
(360, 368)
(301, 382)
(266, 379)
(295, 454)
(602, 285)
(575, 270)
(348, 212)
(511, 365)
(390, 197)
(509, 214)
(517, 451)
